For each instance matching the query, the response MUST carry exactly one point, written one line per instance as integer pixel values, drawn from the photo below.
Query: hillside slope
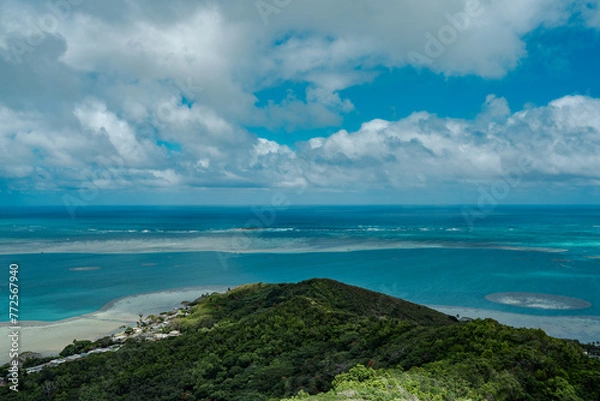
(261, 342)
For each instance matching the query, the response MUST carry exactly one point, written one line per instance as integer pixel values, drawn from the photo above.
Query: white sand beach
(49, 338)
(586, 329)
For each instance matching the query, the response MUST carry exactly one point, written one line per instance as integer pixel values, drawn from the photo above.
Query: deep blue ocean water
(74, 264)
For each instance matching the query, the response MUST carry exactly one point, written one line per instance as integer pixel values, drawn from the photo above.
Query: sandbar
(586, 329)
(538, 301)
(49, 338)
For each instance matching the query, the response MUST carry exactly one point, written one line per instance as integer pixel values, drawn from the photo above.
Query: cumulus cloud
(457, 37)
(158, 94)
(546, 144)
(590, 11)
(220, 54)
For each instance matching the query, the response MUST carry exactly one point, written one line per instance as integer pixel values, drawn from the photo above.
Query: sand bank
(586, 329)
(49, 338)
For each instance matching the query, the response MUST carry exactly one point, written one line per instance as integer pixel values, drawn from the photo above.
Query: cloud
(220, 54)
(457, 37)
(156, 95)
(558, 142)
(590, 11)
(94, 116)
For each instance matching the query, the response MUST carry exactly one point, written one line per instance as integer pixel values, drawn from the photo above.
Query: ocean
(537, 260)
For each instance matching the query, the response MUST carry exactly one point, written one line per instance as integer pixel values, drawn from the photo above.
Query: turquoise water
(430, 255)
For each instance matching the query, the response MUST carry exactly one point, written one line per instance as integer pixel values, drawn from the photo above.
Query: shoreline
(585, 329)
(50, 337)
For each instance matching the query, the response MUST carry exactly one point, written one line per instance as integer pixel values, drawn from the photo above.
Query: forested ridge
(324, 340)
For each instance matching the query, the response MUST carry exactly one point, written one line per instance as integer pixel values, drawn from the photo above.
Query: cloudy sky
(323, 101)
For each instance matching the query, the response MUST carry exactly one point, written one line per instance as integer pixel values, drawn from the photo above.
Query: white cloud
(219, 54)
(93, 115)
(134, 62)
(458, 36)
(590, 10)
(558, 142)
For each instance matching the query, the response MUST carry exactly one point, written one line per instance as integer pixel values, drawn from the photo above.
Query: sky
(311, 101)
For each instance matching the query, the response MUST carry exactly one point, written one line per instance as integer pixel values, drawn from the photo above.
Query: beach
(49, 338)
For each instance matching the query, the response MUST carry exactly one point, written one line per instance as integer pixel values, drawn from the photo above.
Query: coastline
(49, 338)
(585, 329)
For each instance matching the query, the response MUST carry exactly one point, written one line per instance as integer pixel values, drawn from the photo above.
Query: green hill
(263, 342)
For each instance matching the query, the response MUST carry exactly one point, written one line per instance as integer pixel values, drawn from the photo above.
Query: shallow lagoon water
(425, 255)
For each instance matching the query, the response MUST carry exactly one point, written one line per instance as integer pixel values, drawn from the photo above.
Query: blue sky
(187, 102)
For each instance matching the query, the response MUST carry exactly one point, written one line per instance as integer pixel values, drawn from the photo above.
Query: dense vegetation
(261, 342)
